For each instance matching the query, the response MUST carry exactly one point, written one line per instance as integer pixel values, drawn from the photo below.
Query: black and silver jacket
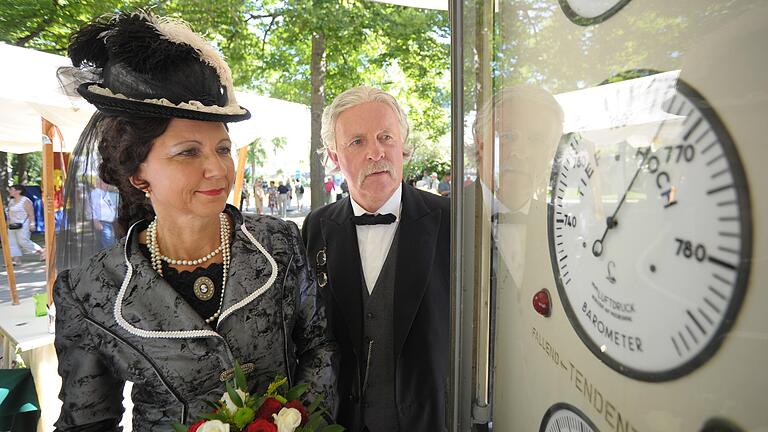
(119, 321)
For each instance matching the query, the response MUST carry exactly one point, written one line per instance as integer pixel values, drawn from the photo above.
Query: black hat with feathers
(146, 65)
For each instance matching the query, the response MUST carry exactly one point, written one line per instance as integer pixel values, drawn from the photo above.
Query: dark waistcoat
(379, 410)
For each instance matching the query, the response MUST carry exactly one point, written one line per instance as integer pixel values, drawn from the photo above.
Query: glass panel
(611, 220)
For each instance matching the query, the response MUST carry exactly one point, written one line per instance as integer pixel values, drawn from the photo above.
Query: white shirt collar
(393, 204)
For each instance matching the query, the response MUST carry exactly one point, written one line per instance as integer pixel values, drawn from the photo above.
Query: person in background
(282, 198)
(288, 184)
(329, 186)
(21, 221)
(344, 186)
(299, 189)
(425, 180)
(103, 200)
(444, 187)
(244, 198)
(258, 196)
(272, 197)
(382, 254)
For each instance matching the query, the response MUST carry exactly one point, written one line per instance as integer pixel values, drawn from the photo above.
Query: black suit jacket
(421, 306)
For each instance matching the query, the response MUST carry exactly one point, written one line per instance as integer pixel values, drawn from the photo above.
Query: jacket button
(370, 315)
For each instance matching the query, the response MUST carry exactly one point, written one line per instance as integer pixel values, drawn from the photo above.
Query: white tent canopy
(29, 90)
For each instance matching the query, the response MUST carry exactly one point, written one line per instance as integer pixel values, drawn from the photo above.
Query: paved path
(30, 276)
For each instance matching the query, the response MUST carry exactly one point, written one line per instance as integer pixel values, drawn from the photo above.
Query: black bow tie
(378, 219)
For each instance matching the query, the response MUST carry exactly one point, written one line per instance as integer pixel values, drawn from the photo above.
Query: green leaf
(280, 398)
(333, 428)
(234, 396)
(296, 392)
(179, 427)
(315, 403)
(240, 381)
(214, 405)
(243, 416)
(256, 403)
(314, 421)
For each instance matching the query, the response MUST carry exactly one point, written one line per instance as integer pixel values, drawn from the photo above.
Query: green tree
(26, 168)
(278, 144)
(428, 155)
(4, 176)
(348, 43)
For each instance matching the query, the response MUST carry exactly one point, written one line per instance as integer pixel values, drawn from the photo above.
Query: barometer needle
(611, 222)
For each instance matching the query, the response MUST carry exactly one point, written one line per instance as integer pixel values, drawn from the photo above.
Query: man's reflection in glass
(527, 124)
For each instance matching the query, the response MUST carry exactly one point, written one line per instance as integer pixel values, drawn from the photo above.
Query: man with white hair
(382, 260)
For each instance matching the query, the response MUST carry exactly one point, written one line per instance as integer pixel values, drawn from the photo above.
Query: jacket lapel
(249, 271)
(152, 308)
(418, 234)
(149, 303)
(344, 267)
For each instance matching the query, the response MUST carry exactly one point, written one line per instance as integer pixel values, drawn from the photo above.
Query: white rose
(287, 419)
(214, 426)
(231, 407)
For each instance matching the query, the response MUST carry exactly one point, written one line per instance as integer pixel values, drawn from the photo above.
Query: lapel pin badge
(322, 276)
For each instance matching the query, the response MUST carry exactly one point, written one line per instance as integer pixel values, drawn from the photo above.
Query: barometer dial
(563, 417)
(589, 12)
(651, 235)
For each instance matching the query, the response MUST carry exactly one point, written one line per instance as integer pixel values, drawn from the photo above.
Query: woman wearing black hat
(194, 286)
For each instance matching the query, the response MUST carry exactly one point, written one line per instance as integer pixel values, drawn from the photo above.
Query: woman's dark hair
(125, 143)
(20, 188)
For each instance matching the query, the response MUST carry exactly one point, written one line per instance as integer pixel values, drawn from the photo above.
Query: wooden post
(242, 155)
(7, 256)
(49, 129)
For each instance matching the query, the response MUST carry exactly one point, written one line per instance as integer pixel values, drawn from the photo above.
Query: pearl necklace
(156, 258)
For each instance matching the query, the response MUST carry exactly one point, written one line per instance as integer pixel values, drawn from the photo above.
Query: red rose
(194, 427)
(269, 407)
(300, 407)
(261, 425)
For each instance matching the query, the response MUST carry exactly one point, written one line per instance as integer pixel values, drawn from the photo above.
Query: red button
(541, 302)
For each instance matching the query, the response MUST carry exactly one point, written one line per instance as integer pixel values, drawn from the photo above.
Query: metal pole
(456, 10)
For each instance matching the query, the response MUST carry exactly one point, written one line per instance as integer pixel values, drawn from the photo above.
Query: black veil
(90, 205)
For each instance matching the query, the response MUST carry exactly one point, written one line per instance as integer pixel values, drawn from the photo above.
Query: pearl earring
(147, 193)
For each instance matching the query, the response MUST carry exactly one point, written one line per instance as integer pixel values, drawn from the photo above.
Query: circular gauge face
(589, 12)
(650, 230)
(563, 417)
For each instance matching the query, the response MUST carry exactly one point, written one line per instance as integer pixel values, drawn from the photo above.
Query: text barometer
(650, 230)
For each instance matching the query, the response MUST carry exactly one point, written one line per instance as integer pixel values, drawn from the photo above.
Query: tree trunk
(316, 168)
(19, 173)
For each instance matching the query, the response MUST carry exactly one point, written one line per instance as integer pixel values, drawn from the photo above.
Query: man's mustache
(378, 166)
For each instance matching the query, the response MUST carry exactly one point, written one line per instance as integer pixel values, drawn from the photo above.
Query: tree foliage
(428, 156)
(402, 50)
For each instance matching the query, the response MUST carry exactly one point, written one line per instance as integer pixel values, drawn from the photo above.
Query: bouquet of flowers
(279, 409)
